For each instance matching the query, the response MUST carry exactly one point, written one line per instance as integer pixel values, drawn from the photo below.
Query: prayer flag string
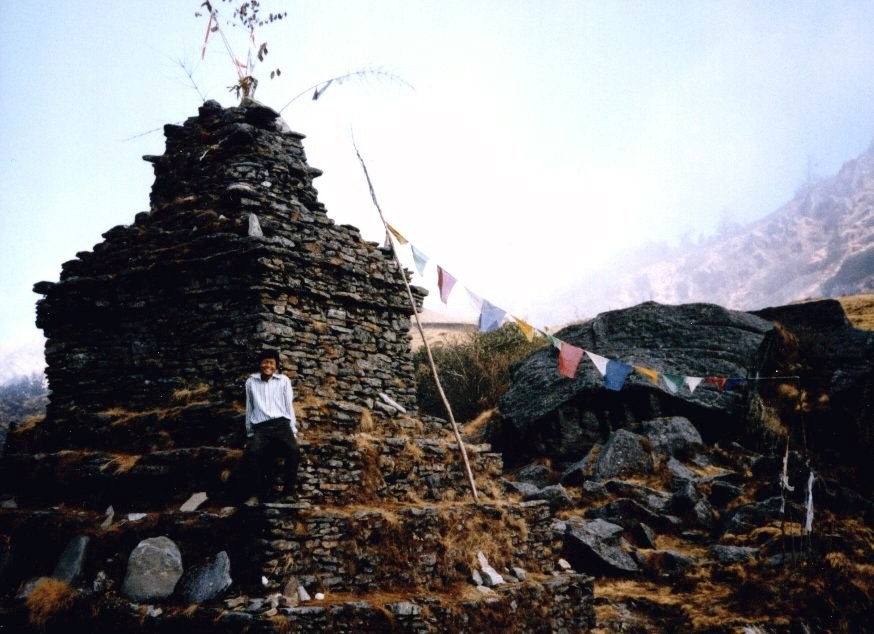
(613, 371)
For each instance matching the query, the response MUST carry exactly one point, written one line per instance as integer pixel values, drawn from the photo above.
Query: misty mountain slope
(820, 244)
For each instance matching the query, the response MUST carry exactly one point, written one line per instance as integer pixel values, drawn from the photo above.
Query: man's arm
(289, 396)
(250, 429)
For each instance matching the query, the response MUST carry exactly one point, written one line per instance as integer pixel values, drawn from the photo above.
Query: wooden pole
(421, 331)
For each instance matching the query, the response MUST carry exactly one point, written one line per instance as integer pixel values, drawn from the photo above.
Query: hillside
(439, 328)
(819, 244)
(860, 310)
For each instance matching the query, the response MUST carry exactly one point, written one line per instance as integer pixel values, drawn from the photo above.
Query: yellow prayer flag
(526, 328)
(401, 239)
(652, 375)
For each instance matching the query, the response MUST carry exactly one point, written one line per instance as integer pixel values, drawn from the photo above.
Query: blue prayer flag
(733, 383)
(490, 317)
(420, 258)
(616, 374)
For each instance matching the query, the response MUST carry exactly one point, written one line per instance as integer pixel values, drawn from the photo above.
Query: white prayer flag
(599, 361)
(692, 382)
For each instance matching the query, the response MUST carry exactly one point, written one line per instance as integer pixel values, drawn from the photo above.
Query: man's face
(268, 367)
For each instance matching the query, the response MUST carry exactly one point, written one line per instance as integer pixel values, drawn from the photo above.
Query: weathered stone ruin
(150, 338)
(235, 254)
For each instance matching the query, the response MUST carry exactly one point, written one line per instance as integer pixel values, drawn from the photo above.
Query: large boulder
(544, 413)
(594, 547)
(836, 376)
(673, 436)
(153, 569)
(207, 580)
(624, 453)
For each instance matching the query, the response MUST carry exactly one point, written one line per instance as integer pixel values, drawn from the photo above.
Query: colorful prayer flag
(599, 361)
(525, 328)
(555, 342)
(401, 239)
(490, 317)
(718, 381)
(568, 359)
(673, 382)
(445, 282)
(692, 382)
(420, 258)
(652, 375)
(617, 372)
(733, 383)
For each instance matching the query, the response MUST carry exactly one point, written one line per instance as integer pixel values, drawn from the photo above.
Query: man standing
(271, 427)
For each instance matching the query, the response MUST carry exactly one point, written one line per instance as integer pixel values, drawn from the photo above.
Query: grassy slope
(860, 310)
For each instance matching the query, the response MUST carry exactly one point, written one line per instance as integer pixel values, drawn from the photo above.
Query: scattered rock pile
(678, 503)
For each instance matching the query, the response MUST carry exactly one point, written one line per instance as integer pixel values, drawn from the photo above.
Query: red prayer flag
(568, 359)
(718, 381)
(445, 282)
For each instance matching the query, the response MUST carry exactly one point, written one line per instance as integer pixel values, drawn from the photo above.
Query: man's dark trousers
(272, 439)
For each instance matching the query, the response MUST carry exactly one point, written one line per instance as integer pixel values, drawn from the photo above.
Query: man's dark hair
(268, 354)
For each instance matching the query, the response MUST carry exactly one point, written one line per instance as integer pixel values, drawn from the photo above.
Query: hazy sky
(540, 139)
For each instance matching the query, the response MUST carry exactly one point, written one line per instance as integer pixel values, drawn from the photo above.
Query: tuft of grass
(121, 463)
(365, 424)
(48, 599)
(187, 396)
(476, 428)
(372, 481)
(28, 424)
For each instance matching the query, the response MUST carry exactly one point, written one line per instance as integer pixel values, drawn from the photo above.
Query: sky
(521, 145)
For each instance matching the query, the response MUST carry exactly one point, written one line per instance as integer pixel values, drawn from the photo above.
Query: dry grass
(121, 463)
(413, 451)
(474, 429)
(706, 606)
(496, 538)
(366, 424)
(49, 599)
(859, 310)
(28, 424)
(187, 396)
(372, 481)
(309, 402)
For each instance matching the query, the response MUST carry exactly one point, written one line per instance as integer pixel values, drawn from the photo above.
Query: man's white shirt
(268, 399)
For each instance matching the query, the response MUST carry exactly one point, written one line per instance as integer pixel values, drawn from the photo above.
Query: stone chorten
(149, 339)
(235, 255)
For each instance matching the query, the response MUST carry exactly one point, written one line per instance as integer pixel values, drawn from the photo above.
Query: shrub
(48, 599)
(474, 371)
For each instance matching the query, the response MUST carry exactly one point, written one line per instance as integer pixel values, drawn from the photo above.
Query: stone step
(425, 547)
(136, 482)
(196, 424)
(334, 469)
(35, 539)
(357, 549)
(559, 603)
(339, 469)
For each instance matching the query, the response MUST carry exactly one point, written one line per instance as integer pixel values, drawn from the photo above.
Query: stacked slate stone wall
(236, 254)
